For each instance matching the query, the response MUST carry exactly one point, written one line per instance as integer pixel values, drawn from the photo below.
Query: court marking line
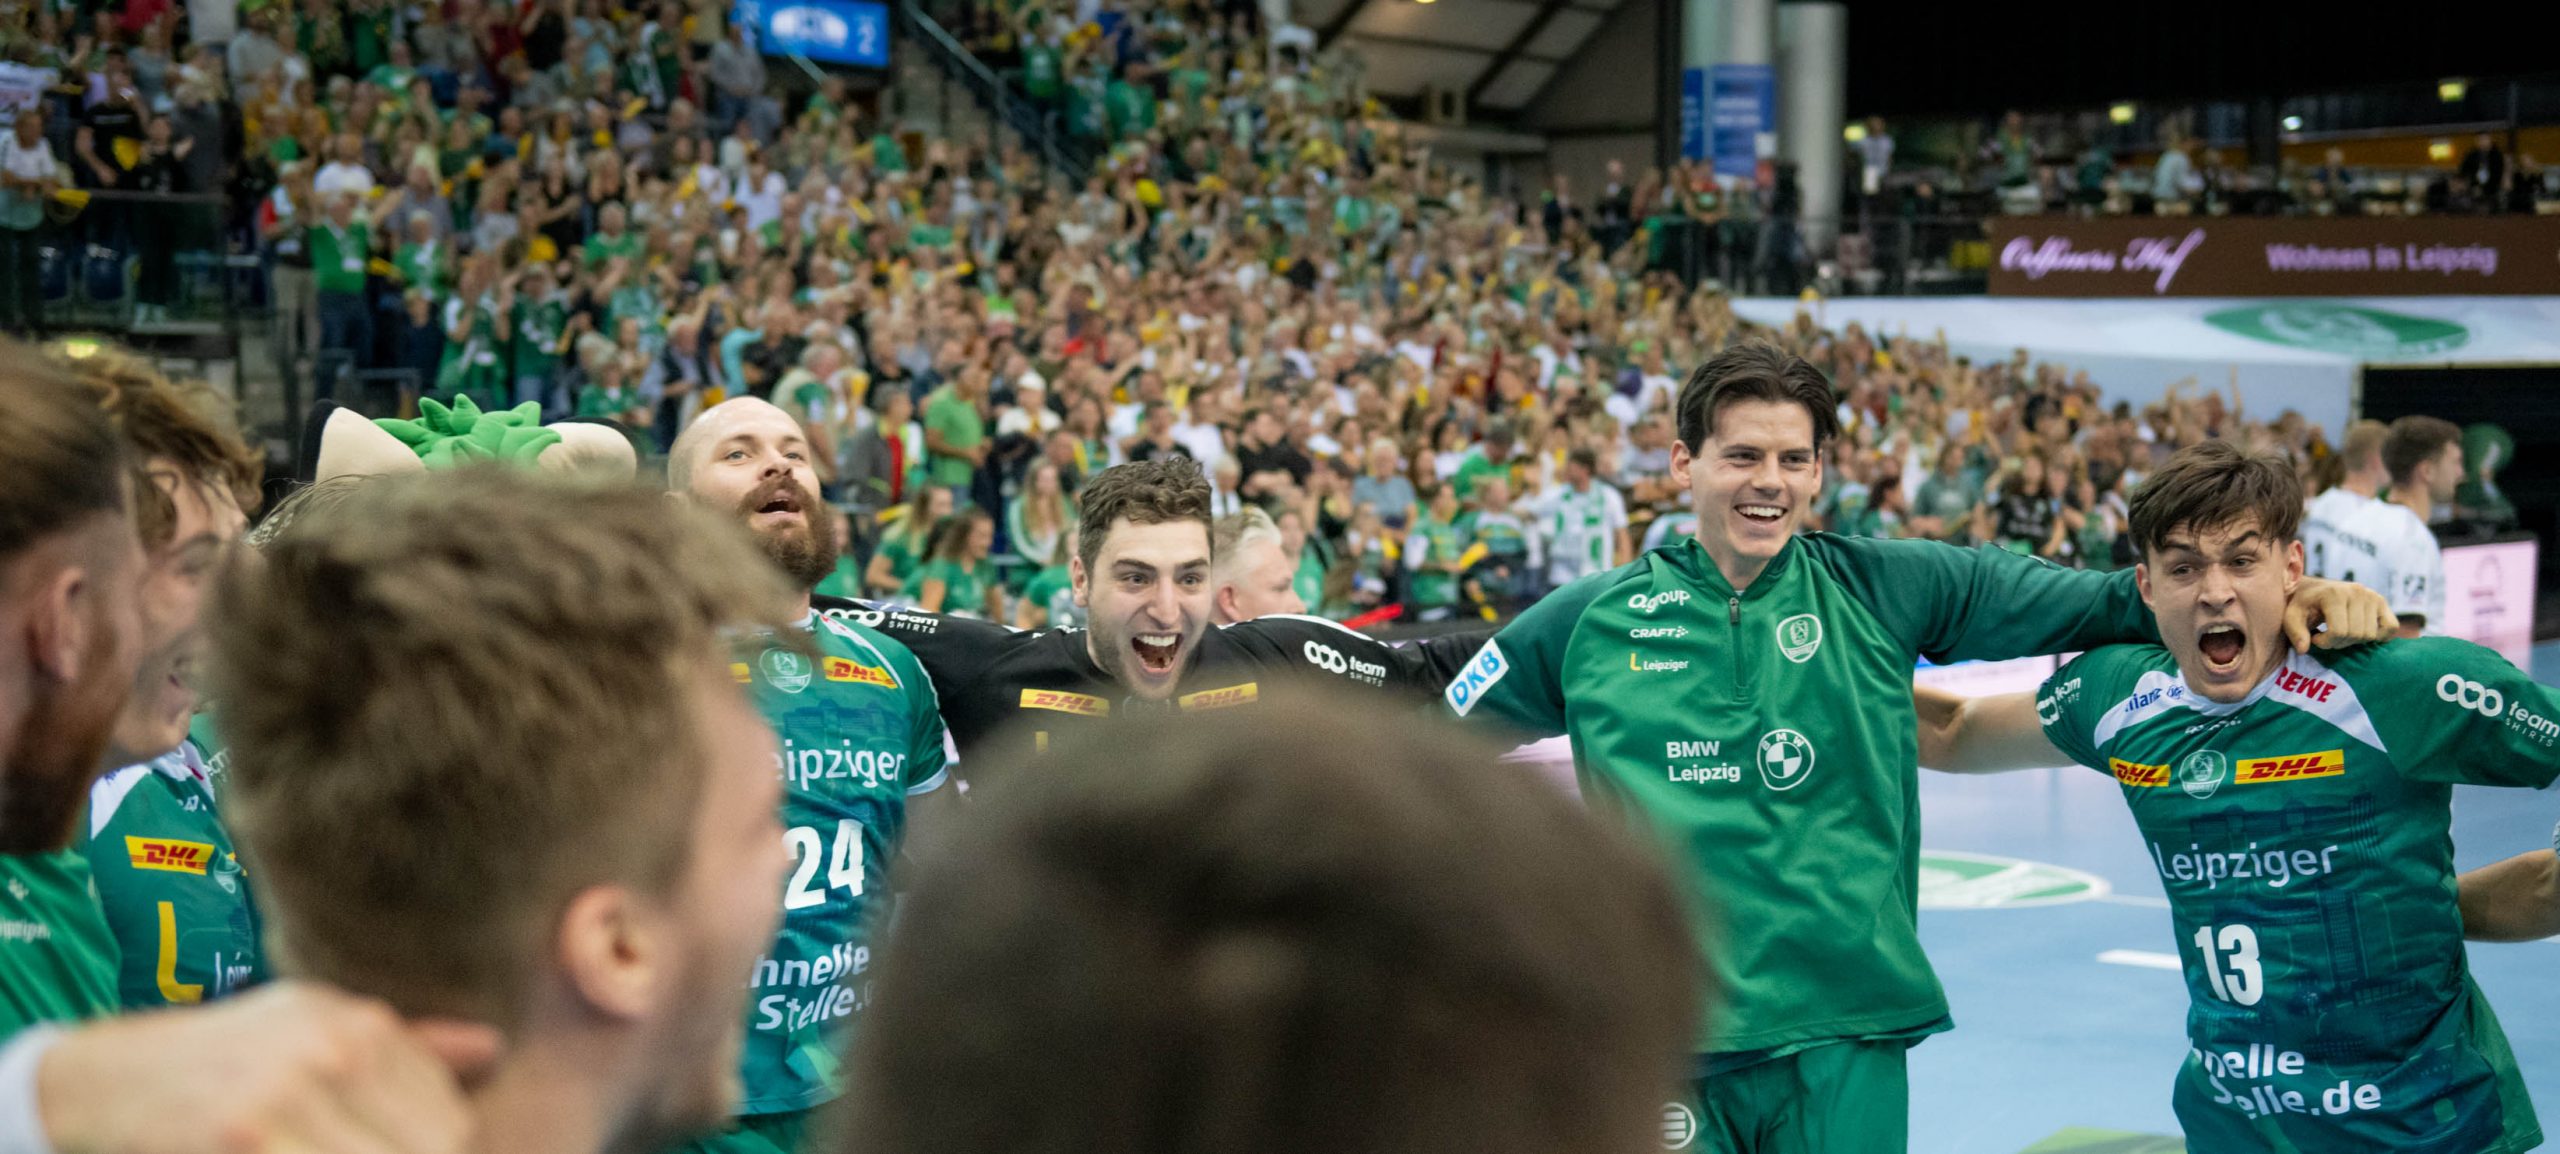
(2141, 959)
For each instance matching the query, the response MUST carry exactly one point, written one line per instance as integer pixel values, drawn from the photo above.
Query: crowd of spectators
(1448, 400)
(2025, 167)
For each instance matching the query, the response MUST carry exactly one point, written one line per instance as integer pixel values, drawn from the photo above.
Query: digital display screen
(852, 33)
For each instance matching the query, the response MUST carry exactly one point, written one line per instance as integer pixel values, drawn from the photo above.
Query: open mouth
(1156, 651)
(782, 504)
(2222, 646)
(1761, 514)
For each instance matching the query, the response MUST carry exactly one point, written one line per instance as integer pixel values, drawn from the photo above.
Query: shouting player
(1745, 695)
(2297, 806)
(861, 735)
(1143, 573)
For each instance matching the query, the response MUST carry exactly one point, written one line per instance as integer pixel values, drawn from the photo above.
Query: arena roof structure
(1497, 54)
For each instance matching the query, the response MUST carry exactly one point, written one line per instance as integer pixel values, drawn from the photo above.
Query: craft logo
(2136, 774)
(1244, 694)
(788, 671)
(2202, 773)
(177, 857)
(844, 669)
(1075, 703)
(1799, 636)
(1786, 759)
(2292, 767)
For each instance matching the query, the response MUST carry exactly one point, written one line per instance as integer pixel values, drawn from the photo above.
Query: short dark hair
(61, 462)
(1755, 371)
(1252, 940)
(2414, 441)
(2213, 484)
(1585, 456)
(1143, 493)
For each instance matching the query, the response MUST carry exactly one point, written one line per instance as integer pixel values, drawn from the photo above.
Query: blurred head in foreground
(1308, 928)
(70, 566)
(491, 765)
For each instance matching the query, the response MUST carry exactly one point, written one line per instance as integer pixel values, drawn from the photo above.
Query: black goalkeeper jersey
(1013, 688)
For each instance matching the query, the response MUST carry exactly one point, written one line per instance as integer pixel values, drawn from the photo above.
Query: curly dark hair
(1142, 493)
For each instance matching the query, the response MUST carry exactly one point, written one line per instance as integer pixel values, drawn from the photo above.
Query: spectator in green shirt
(955, 431)
(956, 577)
(340, 247)
(902, 547)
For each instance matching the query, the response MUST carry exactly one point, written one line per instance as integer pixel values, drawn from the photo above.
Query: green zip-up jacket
(1765, 739)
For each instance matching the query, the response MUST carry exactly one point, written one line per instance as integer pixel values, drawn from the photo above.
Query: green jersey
(1764, 737)
(861, 732)
(964, 587)
(1434, 542)
(958, 420)
(2302, 836)
(57, 957)
(169, 881)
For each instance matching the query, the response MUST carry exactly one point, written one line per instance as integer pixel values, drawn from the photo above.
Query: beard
(806, 554)
(58, 754)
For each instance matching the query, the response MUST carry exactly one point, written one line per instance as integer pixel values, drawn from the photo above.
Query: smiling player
(2297, 807)
(1744, 695)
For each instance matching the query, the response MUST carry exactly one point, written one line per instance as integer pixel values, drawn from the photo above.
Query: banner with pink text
(2306, 256)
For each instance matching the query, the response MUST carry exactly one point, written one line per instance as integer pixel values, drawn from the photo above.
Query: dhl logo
(1221, 698)
(844, 669)
(177, 857)
(2292, 767)
(2135, 773)
(1075, 703)
(739, 670)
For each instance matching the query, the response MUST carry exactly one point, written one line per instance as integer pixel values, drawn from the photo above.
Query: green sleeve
(2451, 711)
(1985, 604)
(930, 752)
(2071, 702)
(1517, 679)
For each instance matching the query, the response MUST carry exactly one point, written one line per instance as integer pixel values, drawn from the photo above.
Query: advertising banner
(2488, 596)
(852, 33)
(1693, 114)
(1742, 114)
(2365, 256)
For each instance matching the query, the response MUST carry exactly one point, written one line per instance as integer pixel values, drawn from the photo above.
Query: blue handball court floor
(2070, 1015)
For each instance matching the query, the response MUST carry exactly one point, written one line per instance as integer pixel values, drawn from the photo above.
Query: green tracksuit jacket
(1765, 739)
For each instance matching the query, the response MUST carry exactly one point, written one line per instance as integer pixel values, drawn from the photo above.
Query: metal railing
(1839, 256)
(1014, 110)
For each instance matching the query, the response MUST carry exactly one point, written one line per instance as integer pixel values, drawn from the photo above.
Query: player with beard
(292, 1067)
(1142, 572)
(155, 838)
(862, 739)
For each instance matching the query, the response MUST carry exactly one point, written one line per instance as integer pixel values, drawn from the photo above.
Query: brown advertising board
(2273, 256)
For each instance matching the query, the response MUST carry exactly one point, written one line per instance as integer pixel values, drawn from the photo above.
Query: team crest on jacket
(788, 671)
(1799, 636)
(2202, 773)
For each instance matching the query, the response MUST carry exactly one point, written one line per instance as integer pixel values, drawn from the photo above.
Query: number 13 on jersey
(2236, 975)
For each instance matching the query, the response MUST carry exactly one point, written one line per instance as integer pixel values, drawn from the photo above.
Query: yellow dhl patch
(2291, 767)
(739, 670)
(1221, 698)
(1075, 703)
(846, 669)
(157, 853)
(2136, 773)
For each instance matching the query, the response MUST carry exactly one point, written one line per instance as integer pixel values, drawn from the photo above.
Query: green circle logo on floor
(2352, 330)
(1979, 881)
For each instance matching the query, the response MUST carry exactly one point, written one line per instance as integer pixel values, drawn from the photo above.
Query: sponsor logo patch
(742, 672)
(1232, 695)
(846, 669)
(1799, 637)
(179, 857)
(2291, 767)
(2135, 773)
(787, 671)
(1075, 703)
(2202, 773)
(1482, 671)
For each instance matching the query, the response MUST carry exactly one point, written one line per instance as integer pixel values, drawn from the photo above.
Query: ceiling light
(2451, 91)
(2293, 124)
(2120, 114)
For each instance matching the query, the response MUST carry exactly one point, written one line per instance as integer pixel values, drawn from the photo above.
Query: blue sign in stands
(851, 33)
(1693, 114)
(1742, 107)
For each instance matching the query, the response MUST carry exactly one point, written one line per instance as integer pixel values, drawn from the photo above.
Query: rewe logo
(1643, 604)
